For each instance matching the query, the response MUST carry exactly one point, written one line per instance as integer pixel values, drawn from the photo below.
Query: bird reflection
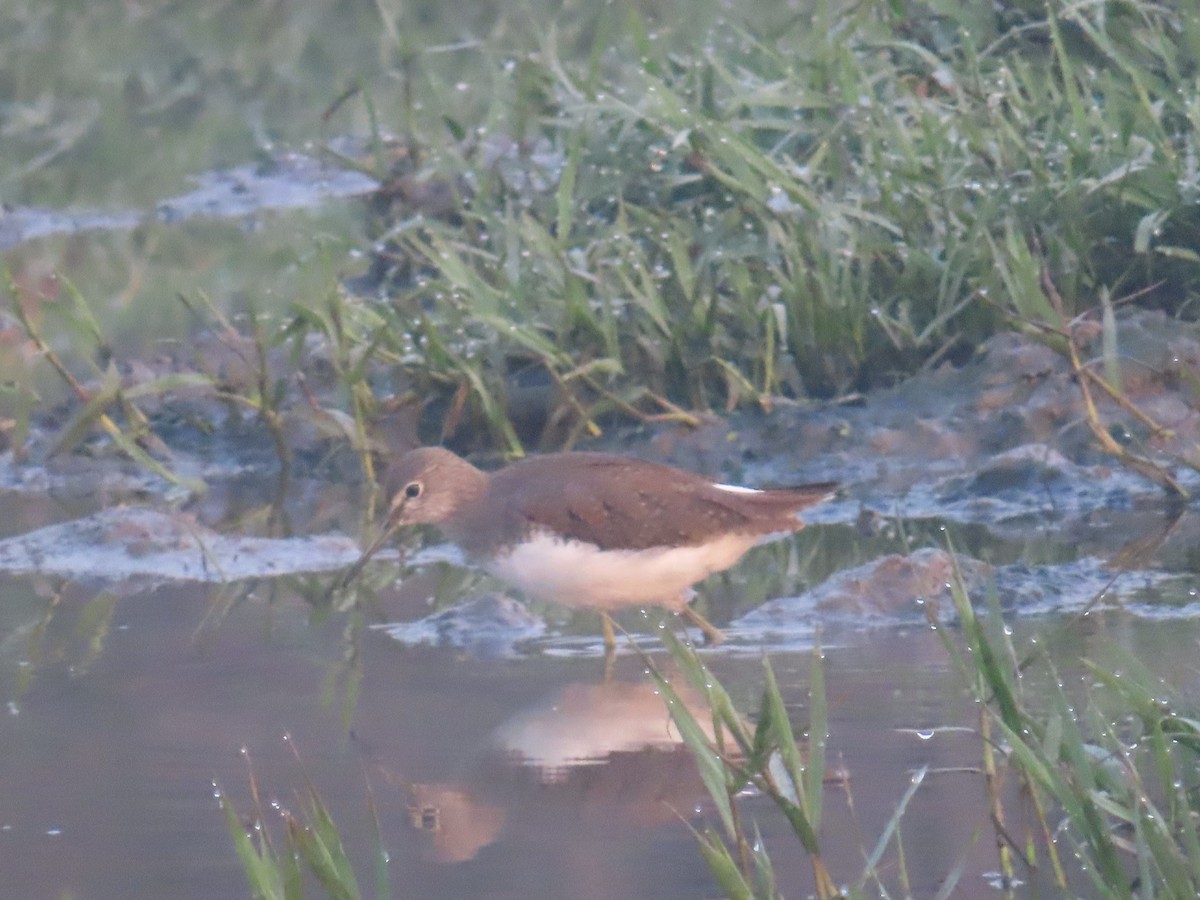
(609, 751)
(461, 826)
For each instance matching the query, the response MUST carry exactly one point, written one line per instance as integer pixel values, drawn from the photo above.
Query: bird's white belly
(577, 574)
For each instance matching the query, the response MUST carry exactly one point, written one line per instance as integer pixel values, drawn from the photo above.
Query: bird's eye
(412, 490)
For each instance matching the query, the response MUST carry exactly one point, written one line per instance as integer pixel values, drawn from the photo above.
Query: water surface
(109, 762)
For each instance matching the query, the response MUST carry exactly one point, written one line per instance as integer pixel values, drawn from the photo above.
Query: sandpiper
(592, 530)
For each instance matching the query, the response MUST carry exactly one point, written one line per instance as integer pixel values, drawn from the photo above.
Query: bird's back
(617, 502)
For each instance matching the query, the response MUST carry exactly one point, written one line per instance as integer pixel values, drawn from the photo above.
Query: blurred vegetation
(807, 212)
(632, 216)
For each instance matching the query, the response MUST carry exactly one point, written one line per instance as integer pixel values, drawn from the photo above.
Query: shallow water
(109, 760)
(502, 764)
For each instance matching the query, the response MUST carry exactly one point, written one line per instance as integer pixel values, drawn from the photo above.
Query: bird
(591, 530)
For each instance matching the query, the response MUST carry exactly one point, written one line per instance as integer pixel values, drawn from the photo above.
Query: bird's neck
(470, 490)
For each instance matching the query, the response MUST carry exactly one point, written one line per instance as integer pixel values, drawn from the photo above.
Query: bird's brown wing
(622, 503)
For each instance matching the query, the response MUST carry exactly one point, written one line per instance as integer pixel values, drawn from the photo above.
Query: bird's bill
(361, 563)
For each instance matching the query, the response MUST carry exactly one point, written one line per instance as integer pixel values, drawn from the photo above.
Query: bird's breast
(582, 575)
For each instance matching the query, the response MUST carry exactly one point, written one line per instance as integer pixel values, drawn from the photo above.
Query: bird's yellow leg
(610, 646)
(712, 634)
(610, 636)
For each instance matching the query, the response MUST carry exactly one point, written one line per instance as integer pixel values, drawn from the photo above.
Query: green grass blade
(711, 767)
(261, 867)
(818, 735)
(893, 824)
(729, 877)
